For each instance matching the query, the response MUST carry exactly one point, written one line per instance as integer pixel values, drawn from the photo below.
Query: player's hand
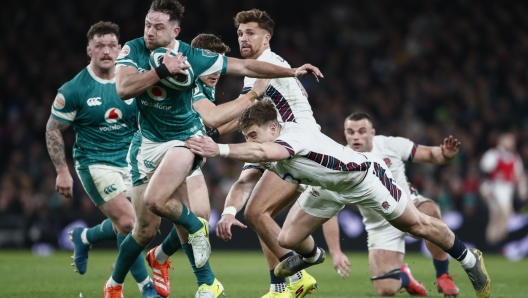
(341, 264)
(64, 183)
(450, 147)
(308, 69)
(204, 146)
(223, 227)
(260, 86)
(175, 64)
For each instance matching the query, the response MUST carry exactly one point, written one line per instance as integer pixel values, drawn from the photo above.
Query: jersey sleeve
(489, 161)
(198, 93)
(66, 104)
(405, 148)
(205, 62)
(128, 56)
(255, 166)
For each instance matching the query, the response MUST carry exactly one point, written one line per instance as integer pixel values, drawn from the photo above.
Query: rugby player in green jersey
(104, 125)
(213, 116)
(166, 120)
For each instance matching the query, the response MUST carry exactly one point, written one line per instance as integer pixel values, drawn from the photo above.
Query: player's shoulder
(273, 58)
(77, 84)
(137, 43)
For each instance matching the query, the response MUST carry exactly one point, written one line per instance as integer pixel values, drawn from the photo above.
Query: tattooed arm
(55, 144)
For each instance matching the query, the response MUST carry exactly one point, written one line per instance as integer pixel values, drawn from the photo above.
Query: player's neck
(103, 74)
(264, 48)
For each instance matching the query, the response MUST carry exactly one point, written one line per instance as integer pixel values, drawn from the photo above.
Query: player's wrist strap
(162, 71)
(214, 134)
(224, 150)
(229, 210)
(252, 95)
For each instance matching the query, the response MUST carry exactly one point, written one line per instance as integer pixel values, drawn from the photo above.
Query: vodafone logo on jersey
(113, 115)
(157, 93)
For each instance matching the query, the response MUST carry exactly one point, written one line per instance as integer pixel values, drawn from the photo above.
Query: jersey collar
(98, 79)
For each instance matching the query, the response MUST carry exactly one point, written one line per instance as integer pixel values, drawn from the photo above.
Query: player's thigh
(198, 194)
(269, 194)
(170, 174)
(299, 225)
(102, 183)
(120, 211)
(428, 207)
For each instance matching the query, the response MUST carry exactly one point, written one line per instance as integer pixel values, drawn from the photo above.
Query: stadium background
(423, 69)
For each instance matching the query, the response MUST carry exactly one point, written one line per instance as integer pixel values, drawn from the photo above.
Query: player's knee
(252, 216)
(125, 226)
(431, 209)
(154, 206)
(286, 242)
(144, 234)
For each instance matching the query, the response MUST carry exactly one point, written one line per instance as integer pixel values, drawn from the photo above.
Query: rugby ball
(174, 81)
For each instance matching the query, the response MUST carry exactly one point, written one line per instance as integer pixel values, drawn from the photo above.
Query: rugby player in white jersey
(104, 126)
(302, 155)
(271, 194)
(385, 243)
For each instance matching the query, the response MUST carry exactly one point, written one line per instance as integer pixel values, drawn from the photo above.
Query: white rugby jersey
(395, 151)
(287, 94)
(317, 160)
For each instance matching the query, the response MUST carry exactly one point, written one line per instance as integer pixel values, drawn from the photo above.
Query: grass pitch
(243, 274)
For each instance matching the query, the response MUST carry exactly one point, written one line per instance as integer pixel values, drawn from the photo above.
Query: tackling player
(104, 125)
(385, 243)
(166, 119)
(299, 155)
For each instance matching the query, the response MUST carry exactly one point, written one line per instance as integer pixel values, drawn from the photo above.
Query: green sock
(171, 244)
(188, 220)
(203, 275)
(138, 269)
(102, 231)
(129, 250)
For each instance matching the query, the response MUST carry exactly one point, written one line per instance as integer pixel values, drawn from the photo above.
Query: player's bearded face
(159, 31)
(359, 135)
(251, 40)
(103, 51)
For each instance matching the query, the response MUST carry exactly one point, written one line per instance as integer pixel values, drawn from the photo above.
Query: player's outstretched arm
(258, 69)
(247, 152)
(235, 201)
(331, 234)
(55, 145)
(130, 83)
(438, 154)
(215, 116)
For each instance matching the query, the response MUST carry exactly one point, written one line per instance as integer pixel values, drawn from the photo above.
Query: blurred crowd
(423, 69)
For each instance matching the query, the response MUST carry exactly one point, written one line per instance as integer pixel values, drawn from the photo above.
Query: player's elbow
(211, 121)
(123, 93)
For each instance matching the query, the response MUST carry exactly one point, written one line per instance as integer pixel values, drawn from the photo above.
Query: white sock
(314, 258)
(160, 255)
(469, 260)
(278, 288)
(112, 283)
(143, 283)
(83, 237)
(295, 277)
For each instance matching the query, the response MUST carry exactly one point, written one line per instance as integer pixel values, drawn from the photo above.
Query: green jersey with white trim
(104, 124)
(202, 91)
(166, 113)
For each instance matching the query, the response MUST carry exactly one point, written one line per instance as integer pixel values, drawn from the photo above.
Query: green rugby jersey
(202, 91)
(104, 124)
(165, 113)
